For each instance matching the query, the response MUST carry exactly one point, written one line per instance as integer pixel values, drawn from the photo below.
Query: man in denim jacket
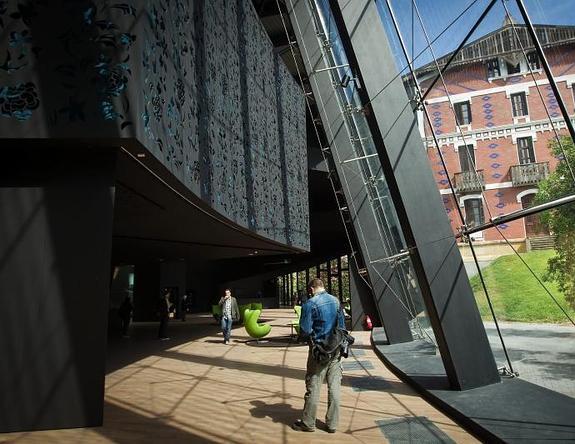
(319, 316)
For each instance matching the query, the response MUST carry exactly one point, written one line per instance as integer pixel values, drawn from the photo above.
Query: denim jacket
(319, 315)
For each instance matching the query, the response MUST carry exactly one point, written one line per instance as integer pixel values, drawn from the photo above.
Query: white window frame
(466, 127)
(521, 134)
(523, 69)
(472, 143)
(462, 199)
(517, 89)
(526, 193)
(533, 140)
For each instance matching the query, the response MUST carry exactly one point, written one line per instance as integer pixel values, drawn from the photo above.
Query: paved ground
(542, 353)
(195, 389)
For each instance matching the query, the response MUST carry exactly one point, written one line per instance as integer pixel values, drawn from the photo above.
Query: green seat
(217, 312)
(255, 330)
(242, 308)
(257, 306)
(295, 322)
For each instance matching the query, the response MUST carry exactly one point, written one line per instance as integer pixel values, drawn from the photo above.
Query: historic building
(494, 125)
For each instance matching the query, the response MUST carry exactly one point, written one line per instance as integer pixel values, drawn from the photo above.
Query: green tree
(561, 220)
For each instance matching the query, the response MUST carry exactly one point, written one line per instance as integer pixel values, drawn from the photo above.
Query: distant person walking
(319, 315)
(164, 310)
(184, 307)
(230, 313)
(125, 313)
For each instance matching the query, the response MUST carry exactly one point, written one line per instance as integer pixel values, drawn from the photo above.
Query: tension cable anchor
(417, 99)
(504, 372)
(394, 259)
(462, 233)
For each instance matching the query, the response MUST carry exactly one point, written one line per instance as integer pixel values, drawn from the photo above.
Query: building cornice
(496, 132)
(502, 42)
(462, 97)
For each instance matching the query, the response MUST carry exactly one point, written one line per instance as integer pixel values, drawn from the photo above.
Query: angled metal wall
(385, 282)
(450, 302)
(424, 245)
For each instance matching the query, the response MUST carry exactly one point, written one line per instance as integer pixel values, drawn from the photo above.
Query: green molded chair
(242, 308)
(295, 322)
(257, 306)
(255, 330)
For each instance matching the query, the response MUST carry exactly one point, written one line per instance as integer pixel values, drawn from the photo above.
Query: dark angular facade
(194, 82)
(175, 119)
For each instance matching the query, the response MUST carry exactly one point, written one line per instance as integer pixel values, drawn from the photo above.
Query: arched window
(533, 225)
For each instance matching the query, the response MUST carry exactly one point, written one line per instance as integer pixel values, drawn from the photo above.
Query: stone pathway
(543, 354)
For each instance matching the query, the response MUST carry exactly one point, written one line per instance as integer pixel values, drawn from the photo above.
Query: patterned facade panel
(294, 133)
(194, 81)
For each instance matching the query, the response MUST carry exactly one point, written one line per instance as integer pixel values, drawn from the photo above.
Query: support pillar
(56, 213)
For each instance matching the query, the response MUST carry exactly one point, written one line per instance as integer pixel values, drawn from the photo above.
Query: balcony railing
(529, 174)
(468, 181)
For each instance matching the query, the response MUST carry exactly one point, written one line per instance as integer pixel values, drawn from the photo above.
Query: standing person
(319, 316)
(230, 313)
(164, 309)
(125, 313)
(184, 307)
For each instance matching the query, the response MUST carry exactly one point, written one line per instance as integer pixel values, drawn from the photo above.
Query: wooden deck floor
(196, 389)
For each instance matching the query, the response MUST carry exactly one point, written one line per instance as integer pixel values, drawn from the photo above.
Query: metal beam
(444, 285)
(519, 214)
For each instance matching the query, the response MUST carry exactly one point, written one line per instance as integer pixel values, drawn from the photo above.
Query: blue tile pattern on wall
(500, 205)
(551, 102)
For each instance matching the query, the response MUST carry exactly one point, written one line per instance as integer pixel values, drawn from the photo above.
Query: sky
(437, 14)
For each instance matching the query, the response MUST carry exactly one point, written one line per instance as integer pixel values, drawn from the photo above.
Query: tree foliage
(561, 220)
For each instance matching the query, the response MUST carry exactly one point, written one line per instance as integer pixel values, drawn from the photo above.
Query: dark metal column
(57, 209)
(385, 283)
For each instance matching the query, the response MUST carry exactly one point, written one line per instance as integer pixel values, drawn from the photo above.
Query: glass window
(493, 69)
(519, 104)
(513, 68)
(333, 268)
(474, 212)
(463, 113)
(525, 149)
(293, 288)
(533, 60)
(344, 263)
(345, 295)
(280, 289)
(334, 280)
(467, 157)
(323, 274)
(301, 282)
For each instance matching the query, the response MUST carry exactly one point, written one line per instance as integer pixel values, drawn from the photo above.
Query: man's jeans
(315, 375)
(226, 327)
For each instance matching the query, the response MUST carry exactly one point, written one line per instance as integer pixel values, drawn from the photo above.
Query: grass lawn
(515, 293)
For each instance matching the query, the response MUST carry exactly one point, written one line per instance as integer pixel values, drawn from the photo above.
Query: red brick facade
(494, 131)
